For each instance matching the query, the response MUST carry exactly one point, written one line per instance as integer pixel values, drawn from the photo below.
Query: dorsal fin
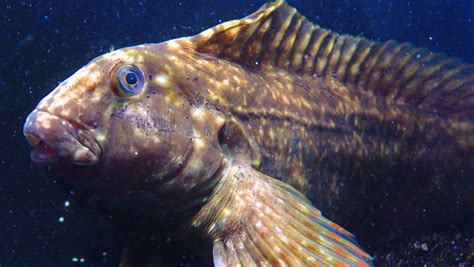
(277, 35)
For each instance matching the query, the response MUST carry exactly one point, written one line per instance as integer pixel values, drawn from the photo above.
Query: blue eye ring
(129, 81)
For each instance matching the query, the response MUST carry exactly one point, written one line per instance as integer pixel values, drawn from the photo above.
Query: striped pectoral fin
(278, 36)
(256, 220)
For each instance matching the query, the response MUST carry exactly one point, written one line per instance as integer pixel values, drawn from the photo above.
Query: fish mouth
(57, 139)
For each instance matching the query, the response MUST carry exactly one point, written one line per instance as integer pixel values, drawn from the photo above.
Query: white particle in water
(82, 260)
(66, 203)
(75, 259)
(424, 247)
(61, 219)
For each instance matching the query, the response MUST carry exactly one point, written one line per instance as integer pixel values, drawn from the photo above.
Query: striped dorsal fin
(277, 35)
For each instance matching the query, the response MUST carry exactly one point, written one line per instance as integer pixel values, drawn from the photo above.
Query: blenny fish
(227, 138)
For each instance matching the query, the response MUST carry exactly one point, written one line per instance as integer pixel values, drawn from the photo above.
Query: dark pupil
(131, 78)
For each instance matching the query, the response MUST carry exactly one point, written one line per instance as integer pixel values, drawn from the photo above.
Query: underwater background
(44, 42)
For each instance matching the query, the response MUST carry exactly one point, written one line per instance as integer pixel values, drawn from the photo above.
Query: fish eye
(129, 81)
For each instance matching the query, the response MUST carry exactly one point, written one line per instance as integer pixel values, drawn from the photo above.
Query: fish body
(233, 134)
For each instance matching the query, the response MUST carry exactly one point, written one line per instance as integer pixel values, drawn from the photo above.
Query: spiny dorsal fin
(277, 35)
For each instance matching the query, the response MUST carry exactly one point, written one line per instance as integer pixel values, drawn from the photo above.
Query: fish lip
(83, 147)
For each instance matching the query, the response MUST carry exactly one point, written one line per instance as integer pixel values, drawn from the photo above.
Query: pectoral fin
(256, 220)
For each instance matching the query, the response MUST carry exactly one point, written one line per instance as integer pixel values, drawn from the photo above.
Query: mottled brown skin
(134, 132)
(379, 134)
(345, 148)
(149, 162)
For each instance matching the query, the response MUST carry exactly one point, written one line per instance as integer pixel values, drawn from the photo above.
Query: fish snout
(56, 139)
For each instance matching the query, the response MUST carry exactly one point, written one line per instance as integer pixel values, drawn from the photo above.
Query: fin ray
(324, 242)
(253, 218)
(278, 36)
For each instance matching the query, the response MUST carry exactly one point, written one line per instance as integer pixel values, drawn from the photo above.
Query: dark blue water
(43, 42)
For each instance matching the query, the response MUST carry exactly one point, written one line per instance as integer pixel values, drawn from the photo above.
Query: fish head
(121, 121)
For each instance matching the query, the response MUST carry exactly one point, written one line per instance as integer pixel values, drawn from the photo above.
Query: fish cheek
(142, 142)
